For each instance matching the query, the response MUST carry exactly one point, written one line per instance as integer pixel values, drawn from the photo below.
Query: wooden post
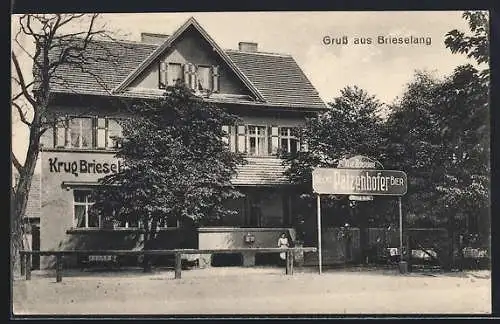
(287, 263)
(28, 266)
(23, 263)
(320, 257)
(178, 265)
(291, 257)
(401, 258)
(408, 251)
(403, 265)
(59, 267)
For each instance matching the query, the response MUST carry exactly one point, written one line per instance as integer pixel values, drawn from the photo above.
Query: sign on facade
(359, 182)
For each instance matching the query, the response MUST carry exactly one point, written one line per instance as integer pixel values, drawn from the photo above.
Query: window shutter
(194, 82)
(187, 78)
(163, 75)
(215, 78)
(101, 132)
(241, 139)
(61, 126)
(232, 138)
(274, 139)
(67, 143)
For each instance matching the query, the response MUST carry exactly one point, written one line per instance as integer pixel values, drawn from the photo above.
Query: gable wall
(191, 47)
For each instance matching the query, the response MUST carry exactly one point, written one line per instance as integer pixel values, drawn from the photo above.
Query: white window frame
(80, 141)
(257, 137)
(64, 125)
(288, 137)
(87, 203)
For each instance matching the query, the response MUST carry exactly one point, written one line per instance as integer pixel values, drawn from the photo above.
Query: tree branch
(16, 163)
(22, 83)
(17, 96)
(21, 114)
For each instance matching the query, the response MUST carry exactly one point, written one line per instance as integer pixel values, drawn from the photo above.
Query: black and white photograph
(290, 163)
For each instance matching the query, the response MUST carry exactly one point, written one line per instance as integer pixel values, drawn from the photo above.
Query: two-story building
(268, 91)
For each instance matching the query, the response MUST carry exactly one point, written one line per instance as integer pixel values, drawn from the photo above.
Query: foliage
(177, 163)
(445, 151)
(446, 148)
(351, 126)
(476, 45)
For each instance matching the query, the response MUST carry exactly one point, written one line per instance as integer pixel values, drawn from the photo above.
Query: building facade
(268, 91)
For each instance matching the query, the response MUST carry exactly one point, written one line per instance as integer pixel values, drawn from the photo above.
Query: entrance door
(35, 246)
(254, 212)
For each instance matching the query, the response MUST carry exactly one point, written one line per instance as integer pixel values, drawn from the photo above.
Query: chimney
(151, 38)
(247, 47)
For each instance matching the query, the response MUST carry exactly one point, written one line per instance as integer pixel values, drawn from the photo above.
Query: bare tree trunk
(20, 197)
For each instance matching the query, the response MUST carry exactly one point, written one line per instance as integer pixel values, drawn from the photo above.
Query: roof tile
(277, 77)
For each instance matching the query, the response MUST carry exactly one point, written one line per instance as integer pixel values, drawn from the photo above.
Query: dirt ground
(235, 290)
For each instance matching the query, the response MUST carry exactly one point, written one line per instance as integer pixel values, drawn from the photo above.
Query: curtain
(80, 216)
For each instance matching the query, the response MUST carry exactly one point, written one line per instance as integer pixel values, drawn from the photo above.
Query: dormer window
(200, 78)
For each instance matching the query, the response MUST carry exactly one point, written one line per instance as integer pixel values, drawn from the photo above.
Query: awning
(81, 184)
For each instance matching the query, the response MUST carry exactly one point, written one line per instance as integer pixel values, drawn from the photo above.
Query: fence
(26, 256)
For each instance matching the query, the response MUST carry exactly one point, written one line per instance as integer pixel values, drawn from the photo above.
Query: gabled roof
(276, 78)
(107, 63)
(170, 40)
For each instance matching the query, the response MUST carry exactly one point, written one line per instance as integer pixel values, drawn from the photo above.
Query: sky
(382, 69)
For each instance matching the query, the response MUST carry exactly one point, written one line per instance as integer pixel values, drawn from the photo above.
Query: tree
(351, 126)
(177, 165)
(414, 146)
(56, 46)
(475, 46)
(445, 151)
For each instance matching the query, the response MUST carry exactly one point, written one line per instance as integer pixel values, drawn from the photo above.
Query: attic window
(200, 78)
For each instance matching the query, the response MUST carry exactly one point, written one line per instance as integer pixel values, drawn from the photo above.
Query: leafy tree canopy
(445, 146)
(177, 163)
(476, 44)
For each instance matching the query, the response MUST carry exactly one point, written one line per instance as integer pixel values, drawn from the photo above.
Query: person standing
(283, 243)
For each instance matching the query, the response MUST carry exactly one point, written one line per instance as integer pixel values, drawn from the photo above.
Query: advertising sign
(359, 162)
(359, 182)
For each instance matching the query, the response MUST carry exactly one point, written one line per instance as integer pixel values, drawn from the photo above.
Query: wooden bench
(26, 256)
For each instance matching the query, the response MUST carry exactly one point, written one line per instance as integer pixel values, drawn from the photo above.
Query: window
(174, 73)
(87, 132)
(196, 77)
(80, 130)
(204, 78)
(113, 131)
(84, 216)
(257, 140)
(288, 142)
(108, 130)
